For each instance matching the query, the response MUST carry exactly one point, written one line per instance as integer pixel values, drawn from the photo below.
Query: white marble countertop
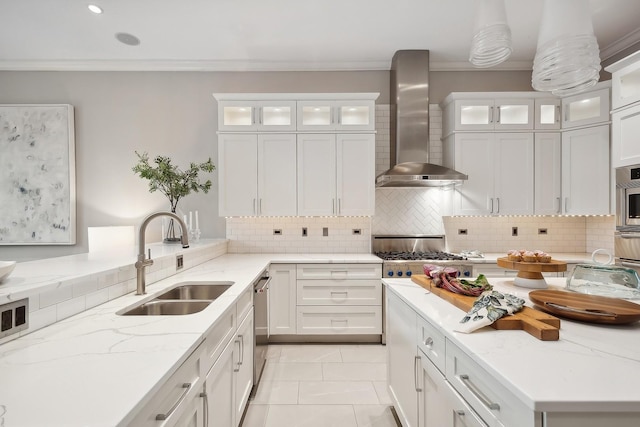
(591, 368)
(568, 257)
(97, 368)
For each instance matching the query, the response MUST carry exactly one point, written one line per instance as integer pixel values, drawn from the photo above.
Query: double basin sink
(183, 298)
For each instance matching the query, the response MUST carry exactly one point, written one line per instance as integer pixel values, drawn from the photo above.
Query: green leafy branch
(170, 180)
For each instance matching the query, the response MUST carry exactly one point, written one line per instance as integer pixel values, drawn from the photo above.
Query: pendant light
(567, 59)
(491, 43)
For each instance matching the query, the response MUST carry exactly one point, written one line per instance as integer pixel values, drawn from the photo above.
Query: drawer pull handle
(161, 417)
(416, 362)
(460, 413)
(478, 393)
(428, 342)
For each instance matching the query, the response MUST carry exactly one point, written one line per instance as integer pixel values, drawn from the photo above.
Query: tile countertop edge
(132, 351)
(504, 354)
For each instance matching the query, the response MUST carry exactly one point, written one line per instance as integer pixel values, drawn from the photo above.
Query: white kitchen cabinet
(586, 108)
(256, 115)
(625, 81)
(625, 129)
(474, 113)
(547, 113)
(336, 174)
(282, 299)
(257, 174)
(220, 389)
(500, 170)
(339, 299)
(586, 171)
(176, 402)
(548, 173)
(402, 359)
(336, 115)
(243, 365)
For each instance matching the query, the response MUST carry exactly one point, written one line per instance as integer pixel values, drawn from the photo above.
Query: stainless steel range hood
(410, 127)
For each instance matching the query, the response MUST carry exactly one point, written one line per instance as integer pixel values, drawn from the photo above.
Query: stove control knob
(466, 273)
(399, 273)
(408, 273)
(390, 273)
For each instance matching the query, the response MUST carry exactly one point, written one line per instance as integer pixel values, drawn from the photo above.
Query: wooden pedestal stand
(530, 273)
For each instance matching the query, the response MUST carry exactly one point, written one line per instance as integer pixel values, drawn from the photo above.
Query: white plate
(6, 267)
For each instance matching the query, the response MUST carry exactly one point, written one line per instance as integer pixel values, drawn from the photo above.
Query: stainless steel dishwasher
(261, 327)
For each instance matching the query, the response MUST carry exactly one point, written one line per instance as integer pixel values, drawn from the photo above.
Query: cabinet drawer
(339, 320)
(328, 292)
(495, 404)
(174, 396)
(244, 303)
(432, 343)
(217, 339)
(339, 271)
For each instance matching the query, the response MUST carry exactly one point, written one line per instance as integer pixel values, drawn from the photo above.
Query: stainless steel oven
(628, 198)
(627, 235)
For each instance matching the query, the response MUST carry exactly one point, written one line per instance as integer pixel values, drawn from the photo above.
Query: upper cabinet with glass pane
(586, 108)
(547, 113)
(296, 112)
(256, 115)
(625, 77)
(348, 115)
(491, 114)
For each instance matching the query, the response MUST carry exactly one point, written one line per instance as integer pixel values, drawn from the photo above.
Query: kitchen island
(587, 378)
(98, 368)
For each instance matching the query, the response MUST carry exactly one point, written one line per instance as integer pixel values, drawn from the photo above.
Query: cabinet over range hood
(410, 127)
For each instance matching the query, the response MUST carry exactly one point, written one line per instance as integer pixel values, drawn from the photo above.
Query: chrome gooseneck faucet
(144, 262)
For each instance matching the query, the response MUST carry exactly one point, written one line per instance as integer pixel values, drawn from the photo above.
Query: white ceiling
(273, 34)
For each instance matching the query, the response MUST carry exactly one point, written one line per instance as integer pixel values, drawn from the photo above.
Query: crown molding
(620, 45)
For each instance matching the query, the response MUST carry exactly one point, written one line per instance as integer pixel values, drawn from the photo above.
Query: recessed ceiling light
(95, 9)
(127, 38)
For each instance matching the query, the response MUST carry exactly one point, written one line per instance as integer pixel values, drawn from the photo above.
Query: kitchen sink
(166, 308)
(195, 291)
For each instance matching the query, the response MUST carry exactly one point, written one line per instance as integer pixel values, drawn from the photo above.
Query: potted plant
(173, 182)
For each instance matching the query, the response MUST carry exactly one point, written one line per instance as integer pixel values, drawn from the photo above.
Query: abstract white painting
(37, 175)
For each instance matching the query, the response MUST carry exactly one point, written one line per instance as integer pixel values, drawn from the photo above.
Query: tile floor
(322, 385)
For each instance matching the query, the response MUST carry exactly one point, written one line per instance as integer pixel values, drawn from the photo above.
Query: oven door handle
(630, 264)
(629, 235)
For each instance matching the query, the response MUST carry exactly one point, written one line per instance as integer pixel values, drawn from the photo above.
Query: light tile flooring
(322, 385)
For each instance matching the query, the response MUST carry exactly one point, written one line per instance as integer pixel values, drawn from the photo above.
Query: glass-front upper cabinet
(547, 114)
(625, 77)
(345, 115)
(490, 114)
(256, 115)
(586, 108)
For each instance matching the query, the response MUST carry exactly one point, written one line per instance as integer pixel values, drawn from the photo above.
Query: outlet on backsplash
(514, 231)
(542, 231)
(462, 231)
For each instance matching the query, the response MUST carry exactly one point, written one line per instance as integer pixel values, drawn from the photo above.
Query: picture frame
(37, 174)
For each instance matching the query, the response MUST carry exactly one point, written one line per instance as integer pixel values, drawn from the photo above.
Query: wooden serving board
(587, 308)
(541, 325)
(532, 270)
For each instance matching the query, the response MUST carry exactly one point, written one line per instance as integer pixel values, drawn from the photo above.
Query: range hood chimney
(410, 127)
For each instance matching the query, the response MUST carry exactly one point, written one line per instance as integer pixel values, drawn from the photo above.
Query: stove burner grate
(413, 256)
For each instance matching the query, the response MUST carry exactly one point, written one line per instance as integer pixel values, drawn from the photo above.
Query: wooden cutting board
(587, 308)
(541, 325)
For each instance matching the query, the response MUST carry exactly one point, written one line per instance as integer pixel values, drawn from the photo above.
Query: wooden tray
(587, 308)
(541, 325)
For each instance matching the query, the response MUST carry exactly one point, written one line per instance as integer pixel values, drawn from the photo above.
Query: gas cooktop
(418, 256)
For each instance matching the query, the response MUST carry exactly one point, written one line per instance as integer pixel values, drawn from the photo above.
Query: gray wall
(174, 114)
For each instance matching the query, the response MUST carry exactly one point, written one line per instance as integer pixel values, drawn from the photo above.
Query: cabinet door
(194, 414)
(237, 174)
(356, 174)
(237, 116)
(475, 157)
(513, 174)
(277, 175)
(244, 365)
(547, 175)
(626, 85)
(586, 171)
(315, 115)
(586, 108)
(476, 114)
(220, 389)
(282, 299)
(356, 115)
(547, 114)
(625, 128)
(402, 365)
(275, 115)
(316, 174)
(513, 114)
